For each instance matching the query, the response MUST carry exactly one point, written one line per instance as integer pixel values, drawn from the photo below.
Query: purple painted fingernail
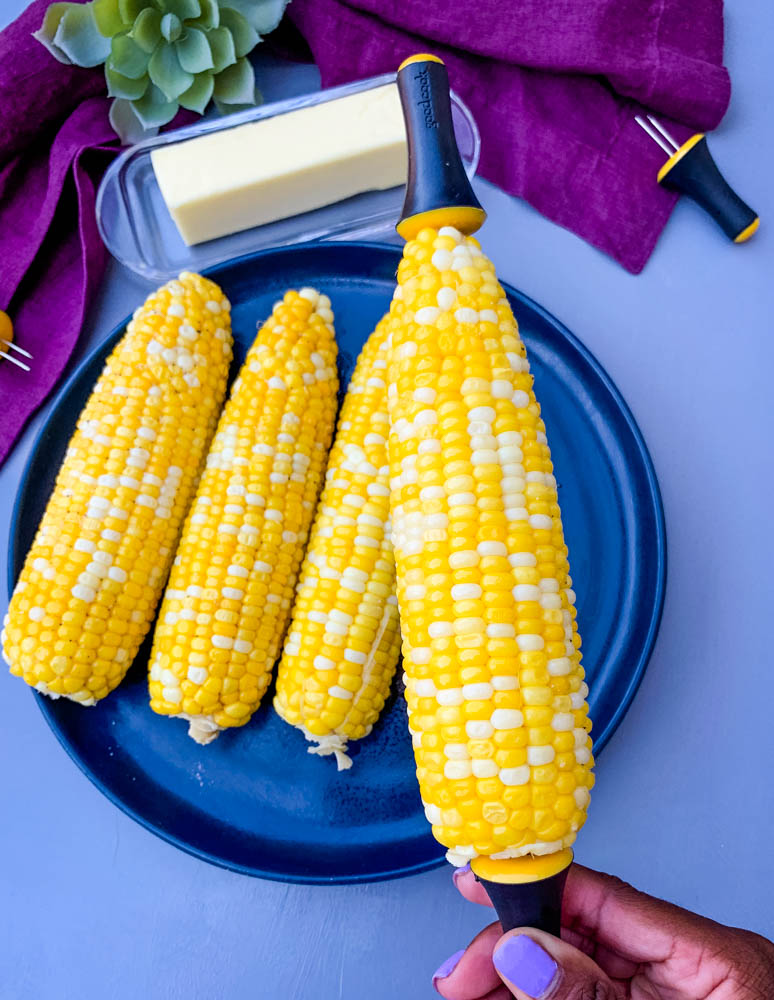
(526, 965)
(460, 871)
(446, 968)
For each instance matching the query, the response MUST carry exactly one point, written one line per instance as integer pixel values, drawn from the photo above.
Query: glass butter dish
(137, 228)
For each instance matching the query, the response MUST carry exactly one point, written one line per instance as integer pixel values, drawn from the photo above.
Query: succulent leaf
(184, 9)
(222, 48)
(153, 109)
(166, 72)
(244, 35)
(126, 124)
(124, 86)
(209, 17)
(147, 29)
(46, 32)
(194, 52)
(171, 27)
(232, 109)
(78, 38)
(235, 84)
(262, 15)
(107, 15)
(198, 95)
(127, 58)
(160, 54)
(131, 9)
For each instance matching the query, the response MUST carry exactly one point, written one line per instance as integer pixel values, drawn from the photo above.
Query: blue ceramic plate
(255, 801)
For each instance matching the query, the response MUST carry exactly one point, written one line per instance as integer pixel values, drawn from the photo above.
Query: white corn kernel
(537, 756)
(512, 776)
(479, 729)
(450, 697)
(526, 592)
(457, 769)
(500, 630)
(507, 718)
(484, 768)
(477, 692)
(505, 682)
(427, 316)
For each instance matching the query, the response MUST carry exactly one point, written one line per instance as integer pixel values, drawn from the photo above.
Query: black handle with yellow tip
(438, 192)
(524, 891)
(692, 171)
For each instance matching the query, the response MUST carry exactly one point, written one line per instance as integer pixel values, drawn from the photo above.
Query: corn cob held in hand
(494, 685)
(495, 690)
(91, 581)
(227, 603)
(343, 643)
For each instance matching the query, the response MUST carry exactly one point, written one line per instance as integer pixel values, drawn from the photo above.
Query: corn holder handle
(692, 171)
(438, 192)
(526, 892)
(533, 904)
(536, 904)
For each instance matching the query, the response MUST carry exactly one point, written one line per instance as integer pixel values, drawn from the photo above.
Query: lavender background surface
(95, 906)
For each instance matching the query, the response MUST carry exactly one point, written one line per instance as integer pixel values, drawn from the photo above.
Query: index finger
(473, 977)
(468, 885)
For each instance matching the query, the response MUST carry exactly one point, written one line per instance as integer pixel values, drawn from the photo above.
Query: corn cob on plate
(229, 595)
(254, 800)
(88, 591)
(342, 647)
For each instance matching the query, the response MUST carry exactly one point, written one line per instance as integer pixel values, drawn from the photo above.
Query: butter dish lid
(137, 228)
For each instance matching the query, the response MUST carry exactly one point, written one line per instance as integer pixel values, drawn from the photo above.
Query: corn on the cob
(227, 603)
(343, 643)
(89, 587)
(494, 685)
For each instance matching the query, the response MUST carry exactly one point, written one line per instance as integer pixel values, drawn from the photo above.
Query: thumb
(538, 966)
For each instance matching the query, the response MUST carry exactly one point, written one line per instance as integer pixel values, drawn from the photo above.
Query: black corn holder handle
(696, 174)
(529, 904)
(436, 173)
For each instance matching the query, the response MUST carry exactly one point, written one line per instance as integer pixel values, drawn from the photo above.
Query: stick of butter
(251, 174)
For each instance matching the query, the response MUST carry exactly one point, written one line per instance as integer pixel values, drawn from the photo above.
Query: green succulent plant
(161, 55)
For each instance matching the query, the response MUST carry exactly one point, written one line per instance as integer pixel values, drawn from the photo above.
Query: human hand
(617, 944)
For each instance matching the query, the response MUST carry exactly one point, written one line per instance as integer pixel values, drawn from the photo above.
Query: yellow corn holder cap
(519, 871)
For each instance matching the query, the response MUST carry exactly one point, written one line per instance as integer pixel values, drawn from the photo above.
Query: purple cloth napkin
(55, 142)
(554, 87)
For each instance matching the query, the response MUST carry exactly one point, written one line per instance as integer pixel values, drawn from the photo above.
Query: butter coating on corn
(343, 643)
(91, 581)
(494, 684)
(228, 599)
